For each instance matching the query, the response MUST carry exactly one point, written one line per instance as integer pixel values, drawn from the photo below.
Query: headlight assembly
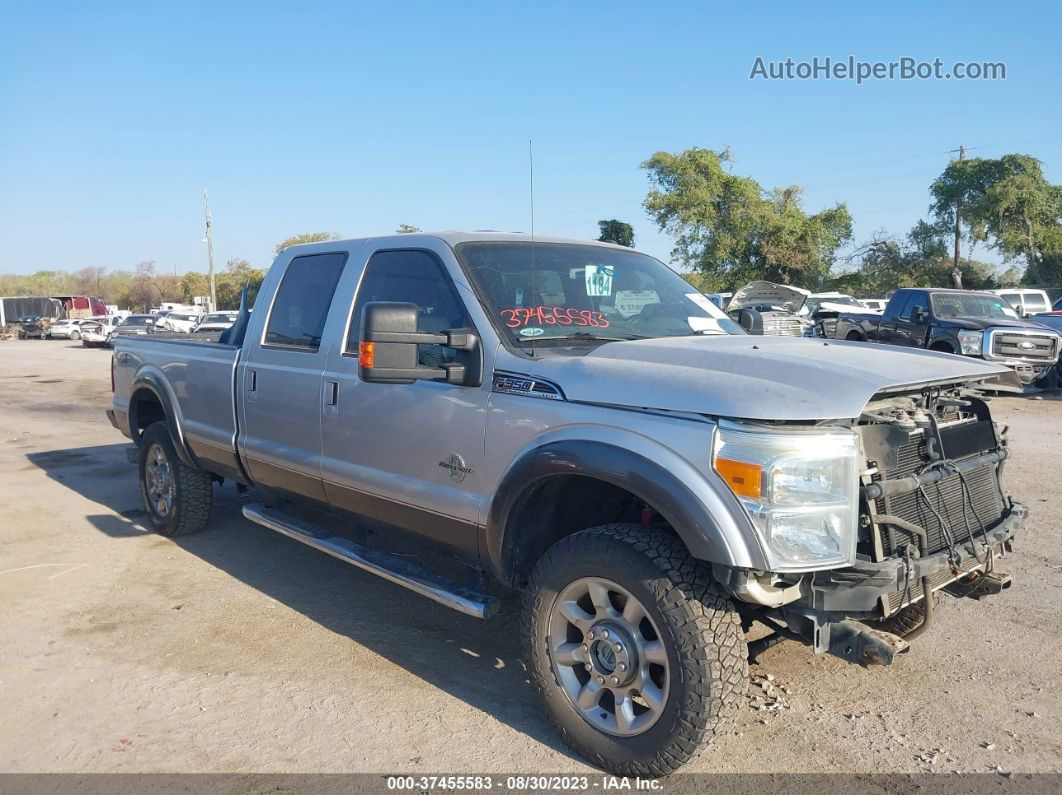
(800, 489)
(970, 342)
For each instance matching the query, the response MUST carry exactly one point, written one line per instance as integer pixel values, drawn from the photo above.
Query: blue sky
(354, 118)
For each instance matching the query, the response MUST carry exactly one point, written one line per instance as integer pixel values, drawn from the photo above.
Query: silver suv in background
(1025, 302)
(215, 322)
(66, 328)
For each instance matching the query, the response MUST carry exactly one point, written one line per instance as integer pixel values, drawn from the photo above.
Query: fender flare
(699, 530)
(940, 338)
(155, 384)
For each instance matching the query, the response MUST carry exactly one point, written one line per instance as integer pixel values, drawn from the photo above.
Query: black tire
(854, 336)
(698, 626)
(188, 505)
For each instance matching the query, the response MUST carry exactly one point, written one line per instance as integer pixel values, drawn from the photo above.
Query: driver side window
(915, 302)
(414, 277)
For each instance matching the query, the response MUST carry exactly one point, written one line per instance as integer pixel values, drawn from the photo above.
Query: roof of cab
(453, 238)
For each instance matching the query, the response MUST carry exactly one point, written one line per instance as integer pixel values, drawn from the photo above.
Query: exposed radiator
(946, 498)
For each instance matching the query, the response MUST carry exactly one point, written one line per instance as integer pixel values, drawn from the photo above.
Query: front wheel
(75, 335)
(177, 497)
(635, 650)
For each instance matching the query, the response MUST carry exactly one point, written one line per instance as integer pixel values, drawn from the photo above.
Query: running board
(391, 568)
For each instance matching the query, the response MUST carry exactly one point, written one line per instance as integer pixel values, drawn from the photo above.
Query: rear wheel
(636, 652)
(75, 335)
(854, 336)
(177, 497)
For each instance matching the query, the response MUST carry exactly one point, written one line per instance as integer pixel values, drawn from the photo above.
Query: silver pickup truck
(476, 416)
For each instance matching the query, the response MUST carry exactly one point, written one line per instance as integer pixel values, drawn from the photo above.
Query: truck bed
(196, 378)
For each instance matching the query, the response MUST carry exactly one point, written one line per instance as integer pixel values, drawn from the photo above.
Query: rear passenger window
(301, 305)
(414, 277)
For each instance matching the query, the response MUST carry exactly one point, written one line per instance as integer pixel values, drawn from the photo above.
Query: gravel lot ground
(240, 650)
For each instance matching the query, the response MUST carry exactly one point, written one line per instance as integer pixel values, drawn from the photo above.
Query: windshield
(219, 318)
(970, 305)
(586, 292)
(813, 303)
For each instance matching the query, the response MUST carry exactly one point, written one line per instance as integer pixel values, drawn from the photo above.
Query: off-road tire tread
(714, 658)
(195, 488)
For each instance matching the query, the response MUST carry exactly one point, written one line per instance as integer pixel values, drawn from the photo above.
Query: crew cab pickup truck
(970, 323)
(481, 416)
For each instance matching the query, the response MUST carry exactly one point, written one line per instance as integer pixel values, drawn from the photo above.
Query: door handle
(252, 380)
(331, 393)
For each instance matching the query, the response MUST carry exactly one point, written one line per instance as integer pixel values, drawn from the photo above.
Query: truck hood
(755, 378)
(974, 323)
(761, 293)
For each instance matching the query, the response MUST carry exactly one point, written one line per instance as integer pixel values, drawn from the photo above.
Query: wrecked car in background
(762, 307)
(781, 310)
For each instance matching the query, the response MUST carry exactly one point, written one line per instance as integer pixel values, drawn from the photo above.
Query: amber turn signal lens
(367, 355)
(742, 478)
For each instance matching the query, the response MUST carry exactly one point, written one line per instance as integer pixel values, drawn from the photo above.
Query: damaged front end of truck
(931, 516)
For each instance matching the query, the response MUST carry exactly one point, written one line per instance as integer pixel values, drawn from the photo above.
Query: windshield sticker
(599, 280)
(532, 331)
(631, 302)
(518, 317)
(709, 324)
(703, 303)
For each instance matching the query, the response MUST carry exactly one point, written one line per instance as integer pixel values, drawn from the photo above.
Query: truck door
(407, 455)
(911, 325)
(279, 382)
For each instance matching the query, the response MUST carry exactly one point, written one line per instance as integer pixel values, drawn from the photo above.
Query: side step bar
(391, 568)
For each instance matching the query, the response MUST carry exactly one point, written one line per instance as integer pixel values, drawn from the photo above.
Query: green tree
(729, 228)
(1009, 204)
(309, 237)
(921, 259)
(407, 229)
(618, 232)
(229, 284)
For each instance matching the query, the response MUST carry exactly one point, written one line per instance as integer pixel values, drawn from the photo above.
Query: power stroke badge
(455, 466)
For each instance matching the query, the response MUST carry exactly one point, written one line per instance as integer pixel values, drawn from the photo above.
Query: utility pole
(210, 253)
(956, 274)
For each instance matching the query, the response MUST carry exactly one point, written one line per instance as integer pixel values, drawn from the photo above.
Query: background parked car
(216, 322)
(181, 322)
(30, 327)
(762, 307)
(66, 328)
(98, 332)
(1053, 320)
(1024, 301)
(138, 324)
(874, 304)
